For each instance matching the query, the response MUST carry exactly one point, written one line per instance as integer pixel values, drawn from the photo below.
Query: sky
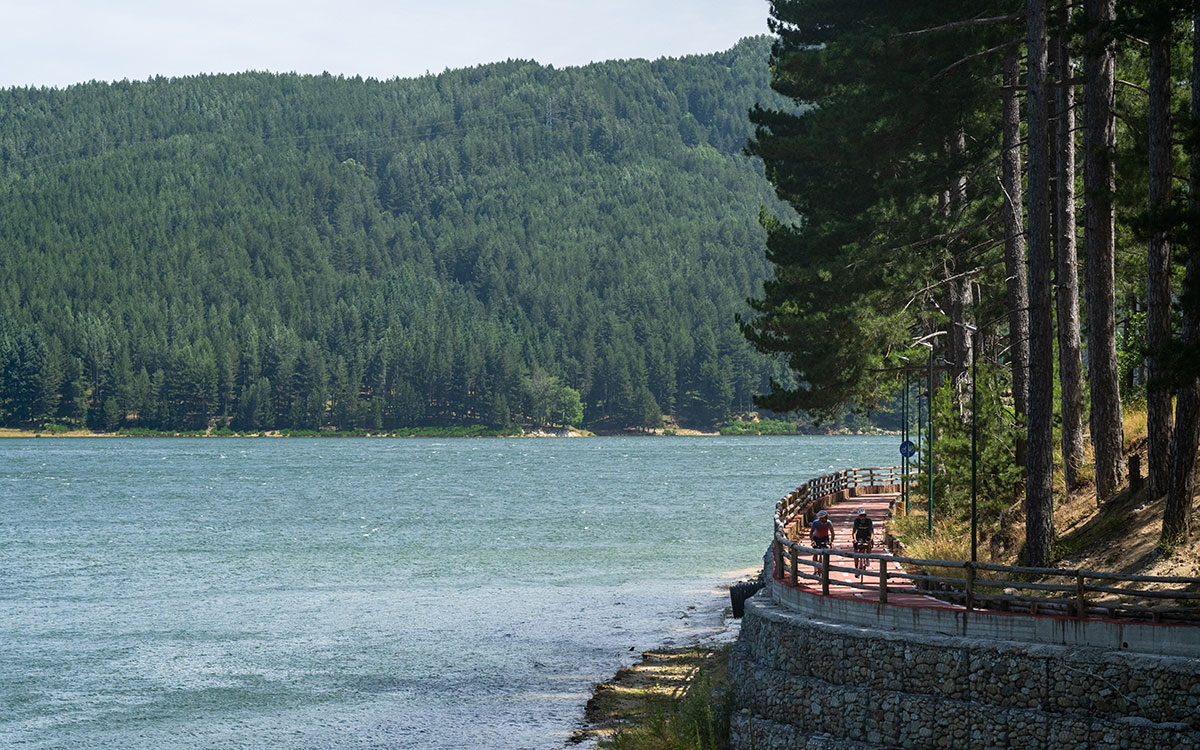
(61, 42)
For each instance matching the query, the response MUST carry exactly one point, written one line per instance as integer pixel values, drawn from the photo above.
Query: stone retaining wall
(801, 682)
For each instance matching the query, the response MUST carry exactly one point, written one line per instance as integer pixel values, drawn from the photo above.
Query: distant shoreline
(424, 432)
(9, 432)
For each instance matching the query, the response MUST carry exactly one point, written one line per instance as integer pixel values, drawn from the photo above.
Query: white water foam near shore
(320, 593)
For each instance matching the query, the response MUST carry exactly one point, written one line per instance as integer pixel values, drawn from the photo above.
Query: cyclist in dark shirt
(864, 531)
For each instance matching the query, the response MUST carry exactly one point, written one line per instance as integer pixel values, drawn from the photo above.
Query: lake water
(364, 593)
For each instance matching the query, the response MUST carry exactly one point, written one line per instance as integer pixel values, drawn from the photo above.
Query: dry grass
(1121, 533)
(950, 540)
(1074, 509)
(1135, 428)
(664, 702)
(10, 432)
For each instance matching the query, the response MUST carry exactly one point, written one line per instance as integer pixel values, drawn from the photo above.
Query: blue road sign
(908, 449)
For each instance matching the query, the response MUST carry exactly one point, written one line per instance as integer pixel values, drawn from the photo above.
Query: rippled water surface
(363, 593)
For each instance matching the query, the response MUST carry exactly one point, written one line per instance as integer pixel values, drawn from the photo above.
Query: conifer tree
(1181, 478)
(1039, 502)
(1099, 187)
(1066, 276)
(897, 116)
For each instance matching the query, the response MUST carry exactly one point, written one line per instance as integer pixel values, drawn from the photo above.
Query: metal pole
(904, 441)
(920, 426)
(929, 398)
(974, 436)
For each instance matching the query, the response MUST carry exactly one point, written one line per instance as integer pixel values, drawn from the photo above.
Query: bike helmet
(862, 511)
(822, 514)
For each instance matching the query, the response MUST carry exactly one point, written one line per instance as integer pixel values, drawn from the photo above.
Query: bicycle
(821, 544)
(862, 546)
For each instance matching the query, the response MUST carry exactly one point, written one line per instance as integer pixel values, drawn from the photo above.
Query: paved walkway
(841, 514)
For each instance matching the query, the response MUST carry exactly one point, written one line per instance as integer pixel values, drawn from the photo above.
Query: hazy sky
(60, 42)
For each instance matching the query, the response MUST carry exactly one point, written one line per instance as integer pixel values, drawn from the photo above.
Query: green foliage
(761, 427)
(461, 430)
(885, 117)
(285, 252)
(999, 477)
(548, 401)
(148, 432)
(1131, 358)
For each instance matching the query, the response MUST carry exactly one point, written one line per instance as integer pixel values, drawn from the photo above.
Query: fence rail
(1112, 596)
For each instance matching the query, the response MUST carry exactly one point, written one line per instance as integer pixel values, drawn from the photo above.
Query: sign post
(907, 450)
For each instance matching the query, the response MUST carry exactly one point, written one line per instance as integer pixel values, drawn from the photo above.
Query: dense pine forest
(1001, 213)
(510, 244)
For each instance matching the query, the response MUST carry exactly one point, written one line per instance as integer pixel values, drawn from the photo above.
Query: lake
(364, 593)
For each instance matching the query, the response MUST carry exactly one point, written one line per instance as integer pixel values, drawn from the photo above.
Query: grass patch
(761, 427)
(672, 700)
(951, 540)
(1136, 430)
(147, 432)
(455, 431)
(687, 723)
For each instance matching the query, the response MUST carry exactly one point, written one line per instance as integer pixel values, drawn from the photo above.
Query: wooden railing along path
(1068, 593)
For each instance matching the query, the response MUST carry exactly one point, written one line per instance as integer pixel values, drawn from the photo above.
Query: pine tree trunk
(961, 350)
(961, 300)
(1039, 486)
(1066, 271)
(1099, 184)
(1158, 286)
(1182, 476)
(1014, 246)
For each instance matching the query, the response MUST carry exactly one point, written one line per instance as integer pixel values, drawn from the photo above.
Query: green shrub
(761, 427)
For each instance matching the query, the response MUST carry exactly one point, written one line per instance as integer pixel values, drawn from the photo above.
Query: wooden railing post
(779, 572)
(970, 586)
(825, 573)
(795, 567)
(1079, 594)
(883, 581)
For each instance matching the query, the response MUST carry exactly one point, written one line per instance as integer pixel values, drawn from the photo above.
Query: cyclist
(821, 532)
(864, 531)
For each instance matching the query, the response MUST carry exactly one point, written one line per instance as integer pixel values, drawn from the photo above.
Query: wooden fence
(1036, 591)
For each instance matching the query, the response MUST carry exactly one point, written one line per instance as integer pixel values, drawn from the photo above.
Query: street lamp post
(904, 469)
(907, 448)
(929, 456)
(974, 435)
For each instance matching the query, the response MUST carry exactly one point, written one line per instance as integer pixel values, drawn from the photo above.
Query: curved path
(854, 598)
(841, 514)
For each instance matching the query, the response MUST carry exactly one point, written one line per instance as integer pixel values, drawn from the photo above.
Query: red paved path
(841, 514)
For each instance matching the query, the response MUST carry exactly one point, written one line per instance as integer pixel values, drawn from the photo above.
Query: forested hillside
(1001, 202)
(500, 245)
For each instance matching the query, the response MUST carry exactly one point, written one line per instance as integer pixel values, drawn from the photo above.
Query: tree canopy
(505, 244)
(933, 212)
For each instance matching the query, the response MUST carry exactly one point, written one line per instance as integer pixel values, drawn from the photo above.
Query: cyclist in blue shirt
(821, 532)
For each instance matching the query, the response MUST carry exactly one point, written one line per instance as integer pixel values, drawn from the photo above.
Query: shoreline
(14, 433)
(628, 698)
(660, 673)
